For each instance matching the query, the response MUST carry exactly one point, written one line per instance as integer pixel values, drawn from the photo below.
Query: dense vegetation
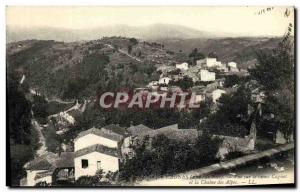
(275, 72)
(23, 138)
(240, 50)
(154, 118)
(185, 83)
(168, 156)
(232, 116)
(274, 76)
(80, 70)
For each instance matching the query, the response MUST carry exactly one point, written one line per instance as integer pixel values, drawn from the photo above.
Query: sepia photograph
(150, 96)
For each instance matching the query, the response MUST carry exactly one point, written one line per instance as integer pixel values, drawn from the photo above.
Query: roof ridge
(102, 131)
(98, 148)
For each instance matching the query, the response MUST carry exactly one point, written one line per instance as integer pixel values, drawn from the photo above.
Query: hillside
(80, 69)
(240, 50)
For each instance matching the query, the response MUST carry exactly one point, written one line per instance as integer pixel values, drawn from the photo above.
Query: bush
(52, 140)
(184, 83)
(19, 155)
(232, 80)
(97, 180)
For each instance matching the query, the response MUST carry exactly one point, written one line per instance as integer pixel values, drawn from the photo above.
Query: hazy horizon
(236, 21)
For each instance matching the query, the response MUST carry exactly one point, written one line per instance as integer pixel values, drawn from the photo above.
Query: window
(98, 165)
(84, 163)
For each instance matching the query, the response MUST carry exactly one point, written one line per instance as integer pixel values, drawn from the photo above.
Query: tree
(275, 69)
(184, 83)
(232, 116)
(40, 108)
(19, 112)
(23, 139)
(129, 48)
(167, 156)
(133, 41)
(52, 140)
(275, 73)
(213, 55)
(196, 55)
(231, 80)
(175, 72)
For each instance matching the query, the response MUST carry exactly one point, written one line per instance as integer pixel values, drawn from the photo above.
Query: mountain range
(153, 32)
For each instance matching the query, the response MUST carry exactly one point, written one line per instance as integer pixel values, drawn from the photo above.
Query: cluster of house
(205, 71)
(64, 119)
(96, 149)
(105, 148)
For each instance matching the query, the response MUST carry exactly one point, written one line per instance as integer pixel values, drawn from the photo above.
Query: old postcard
(106, 96)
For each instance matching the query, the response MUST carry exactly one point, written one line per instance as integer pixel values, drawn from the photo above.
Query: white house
(223, 68)
(152, 83)
(93, 158)
(96, 149)
(42, 168)
(182, 66)
(232, 64)
(164, 80)
(97, 136)
(206, 75)
(199, 98)
(233, 67)
(200, 62)
(33, 178)
(211, 62)
(218, 63)
(163, 89)
(199, 93)
(39, 166)
(216, 94)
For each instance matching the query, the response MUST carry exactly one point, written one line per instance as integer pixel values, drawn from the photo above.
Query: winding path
(43, 149)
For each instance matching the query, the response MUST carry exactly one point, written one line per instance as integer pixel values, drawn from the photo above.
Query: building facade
(182, 66)
(164, 80)
(206, 75)
(96, 149)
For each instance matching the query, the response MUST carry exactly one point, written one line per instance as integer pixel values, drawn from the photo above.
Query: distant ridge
(154, 31)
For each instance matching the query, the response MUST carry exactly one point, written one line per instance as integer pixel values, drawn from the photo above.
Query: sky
(234, 20)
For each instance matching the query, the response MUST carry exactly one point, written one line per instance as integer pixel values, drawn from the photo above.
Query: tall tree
(196, 55)
(275, 73)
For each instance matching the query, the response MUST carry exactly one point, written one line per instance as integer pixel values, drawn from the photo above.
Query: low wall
(224, 165)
